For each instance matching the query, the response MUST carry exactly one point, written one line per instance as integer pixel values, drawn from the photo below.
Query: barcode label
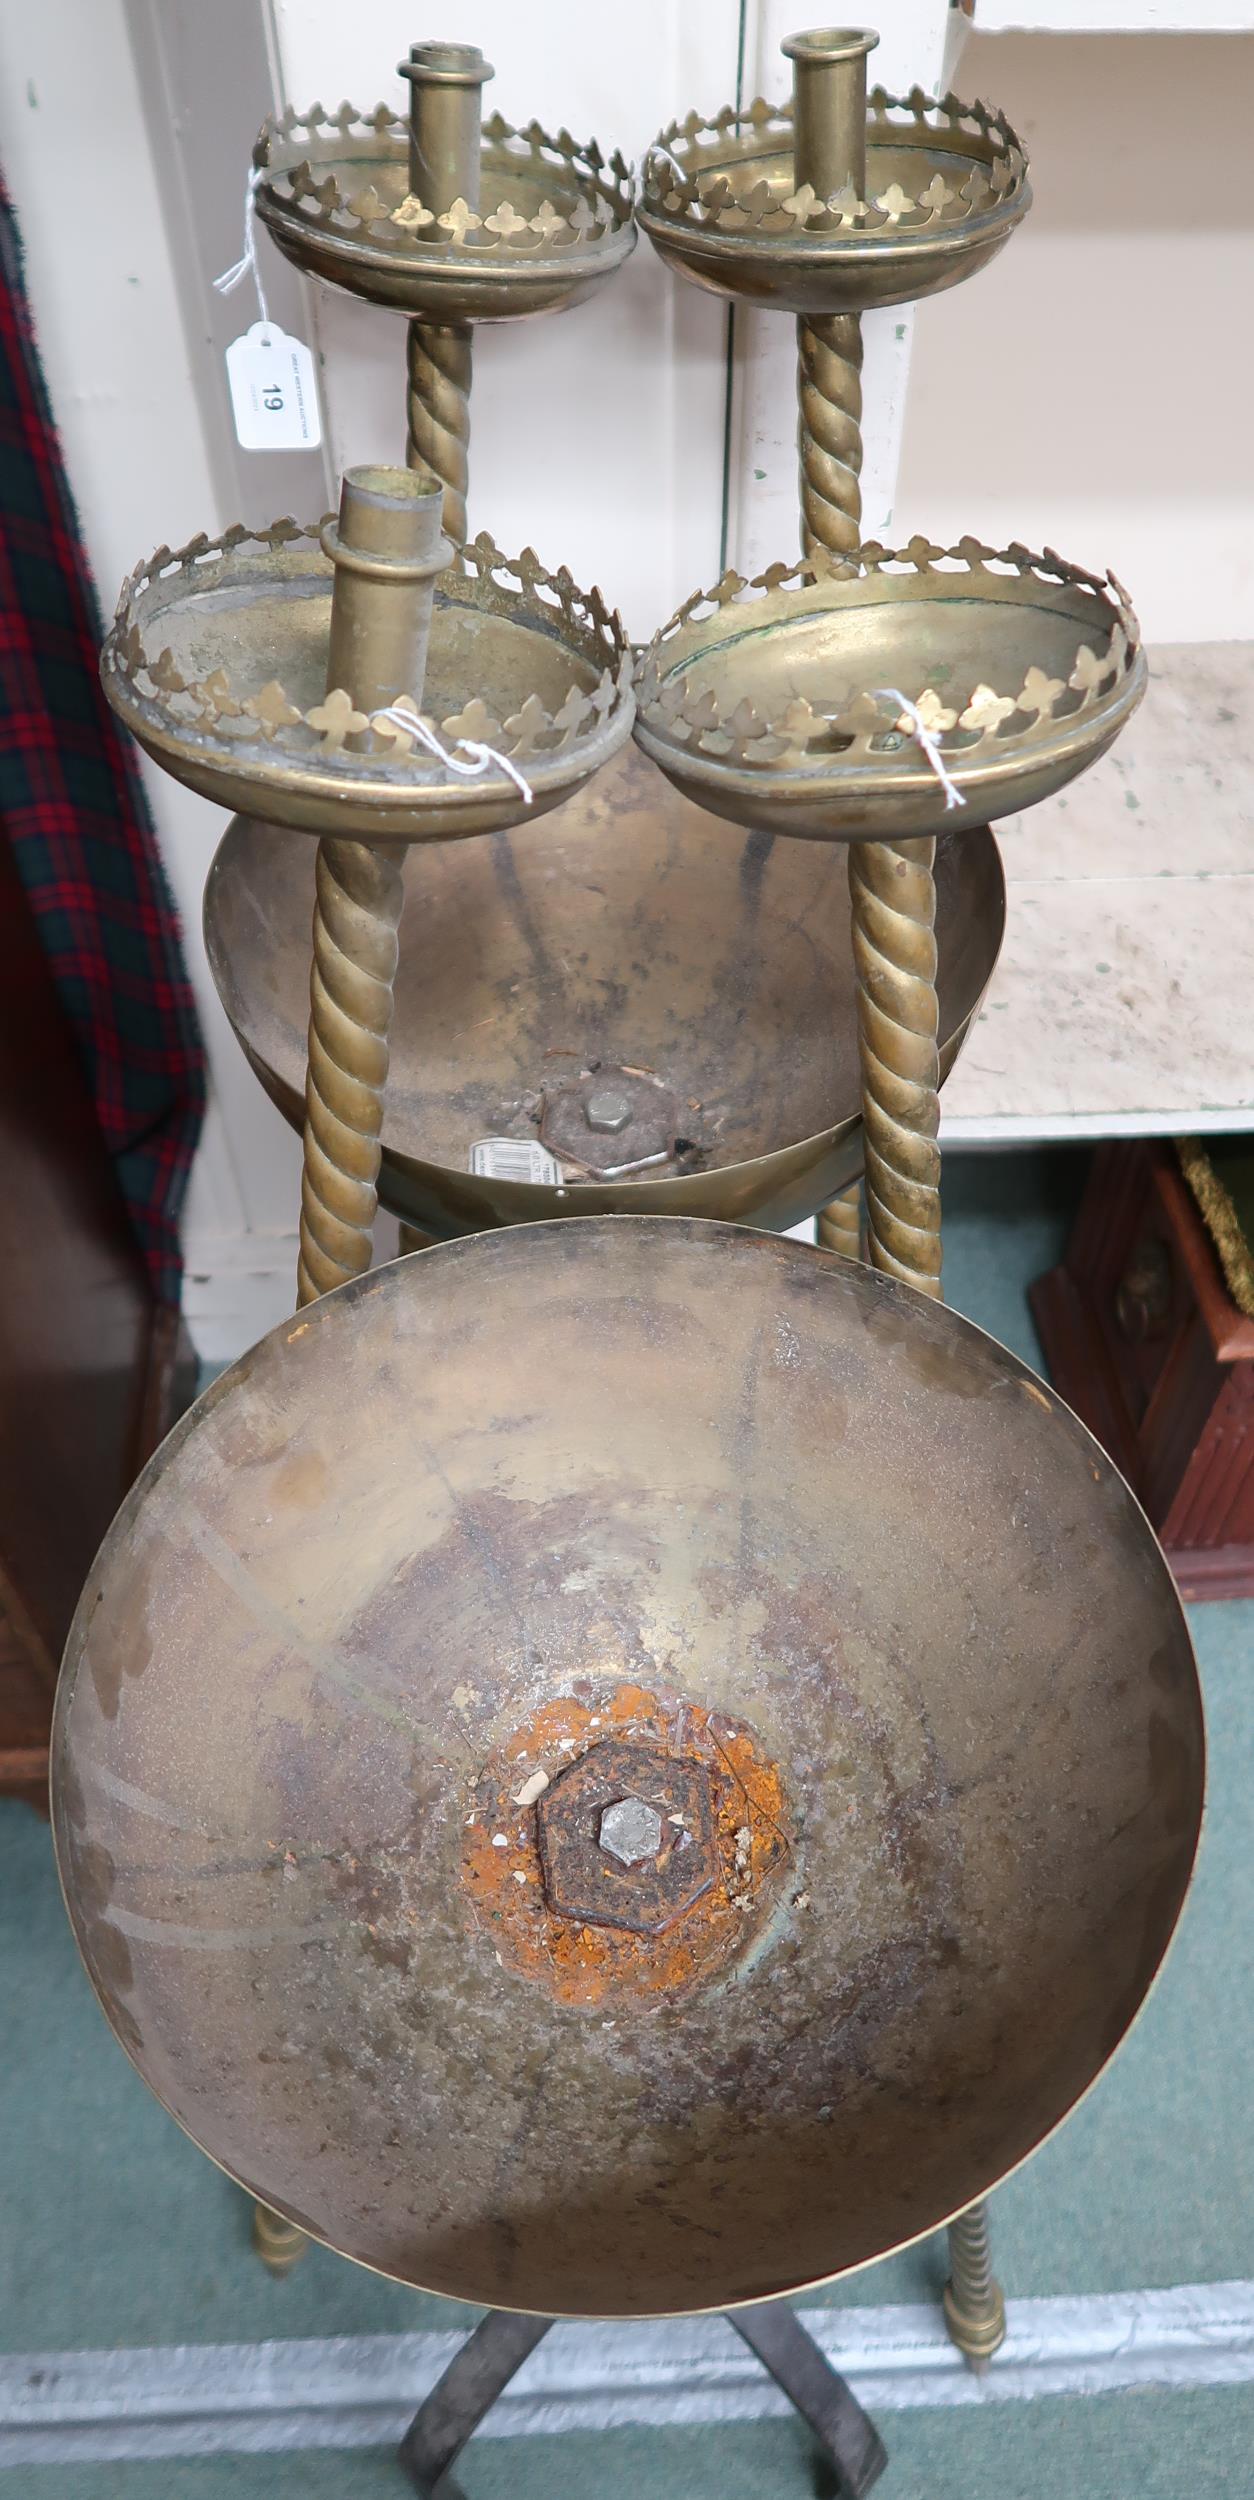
(514, 1159)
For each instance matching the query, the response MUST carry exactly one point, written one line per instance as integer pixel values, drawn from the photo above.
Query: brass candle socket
(829, 107)
(387, 549)
(445, 117)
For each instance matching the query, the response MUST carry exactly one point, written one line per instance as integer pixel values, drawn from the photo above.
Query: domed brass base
(812, 1575)
(631, 929)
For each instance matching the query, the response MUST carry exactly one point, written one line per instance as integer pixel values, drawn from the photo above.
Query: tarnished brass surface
(541, 1467)
(893, 892)
(829, 432)
(447, 221)
(829, 108)
(838, 1225)
(387, 550)
(445, 118)
(388, 553)
(775, 701)
(278, 2243)
(629, 927)
(975, 2311)
(438, 367)
(739, 203)
(217, 662)
(359, 897)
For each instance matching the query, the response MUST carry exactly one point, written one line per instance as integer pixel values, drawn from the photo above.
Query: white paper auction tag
(274, 397)
(514, 1159)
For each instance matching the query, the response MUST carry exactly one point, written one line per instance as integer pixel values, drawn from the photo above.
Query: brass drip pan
(812, 1578)
(551, 221)
(777, 702)
(630, 929)
(945, 185)
(217, 661)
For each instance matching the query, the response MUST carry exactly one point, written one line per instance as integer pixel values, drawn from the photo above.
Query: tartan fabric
(74, 812)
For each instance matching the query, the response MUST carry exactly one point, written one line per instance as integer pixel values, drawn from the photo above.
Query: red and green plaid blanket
(74, 813)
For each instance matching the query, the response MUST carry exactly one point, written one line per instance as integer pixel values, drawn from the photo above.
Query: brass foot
(279, 2244)
(975, 2312)
(411, 1239)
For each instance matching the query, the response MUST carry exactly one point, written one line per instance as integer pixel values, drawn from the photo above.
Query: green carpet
(1192, 2446)
(117, 2232)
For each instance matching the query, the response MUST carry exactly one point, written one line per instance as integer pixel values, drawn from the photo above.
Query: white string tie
(482, 757)
(246, 265)
(919, 730)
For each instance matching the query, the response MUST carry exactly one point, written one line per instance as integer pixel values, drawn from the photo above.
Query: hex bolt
(607, 1111)
(630, 1830)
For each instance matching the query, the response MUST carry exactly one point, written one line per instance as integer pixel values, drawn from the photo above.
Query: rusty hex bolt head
(607, 1111)
(631, 1830)
(594, 1813)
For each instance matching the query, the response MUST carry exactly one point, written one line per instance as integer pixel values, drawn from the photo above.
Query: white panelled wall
(1090, 390)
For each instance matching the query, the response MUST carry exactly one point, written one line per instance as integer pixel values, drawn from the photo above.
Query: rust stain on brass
(559, 1909)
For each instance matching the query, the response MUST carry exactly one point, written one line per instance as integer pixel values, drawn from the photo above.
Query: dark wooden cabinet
(1143, 1339)
(92, 1369)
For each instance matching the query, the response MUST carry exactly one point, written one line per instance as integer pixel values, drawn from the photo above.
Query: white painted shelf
(1114, 17)
(1121, 1005)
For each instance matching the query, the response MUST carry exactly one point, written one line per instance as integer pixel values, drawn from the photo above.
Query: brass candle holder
(288, 671)
(866, 695)
(447, 219)
(529, 1630)
(452, 220)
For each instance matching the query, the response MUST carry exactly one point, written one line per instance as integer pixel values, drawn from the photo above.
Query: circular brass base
(630, 928)
(849, 1553)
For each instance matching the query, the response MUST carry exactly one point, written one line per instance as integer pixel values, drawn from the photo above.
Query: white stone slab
(1122, 1005)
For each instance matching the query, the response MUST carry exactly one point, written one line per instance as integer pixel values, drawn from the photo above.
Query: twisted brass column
(829, 446)
(386, 549)
(356, 918)
(975, 2312)
(445, 119)
(829, 431)
(437, 409)
(893, 893)
(839, 1223)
